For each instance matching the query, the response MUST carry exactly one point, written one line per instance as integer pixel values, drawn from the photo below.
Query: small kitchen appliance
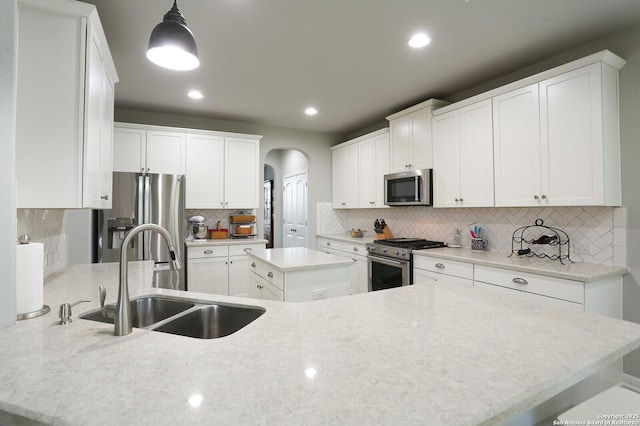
(390, 262)
(198, 229)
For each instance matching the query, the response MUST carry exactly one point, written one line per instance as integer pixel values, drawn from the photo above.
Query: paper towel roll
(29, 277)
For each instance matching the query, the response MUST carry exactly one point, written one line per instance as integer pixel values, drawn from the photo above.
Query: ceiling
(265, 61)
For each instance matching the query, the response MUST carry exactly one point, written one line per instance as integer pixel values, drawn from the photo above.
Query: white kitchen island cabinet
(64, 113)
(298, 274)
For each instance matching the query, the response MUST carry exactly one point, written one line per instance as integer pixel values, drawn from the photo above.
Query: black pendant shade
(172, 44)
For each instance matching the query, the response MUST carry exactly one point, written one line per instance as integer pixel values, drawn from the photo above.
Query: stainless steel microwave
(410, 188)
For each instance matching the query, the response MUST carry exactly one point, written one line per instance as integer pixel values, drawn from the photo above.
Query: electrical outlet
(320, 293)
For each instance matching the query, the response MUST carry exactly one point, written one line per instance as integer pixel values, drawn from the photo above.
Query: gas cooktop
(410, 243)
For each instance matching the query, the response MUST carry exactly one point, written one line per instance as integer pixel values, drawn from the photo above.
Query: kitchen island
(433, 353)
(298, 274)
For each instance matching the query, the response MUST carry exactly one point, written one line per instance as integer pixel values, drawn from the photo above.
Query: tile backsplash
(596, 234)
(46, 226)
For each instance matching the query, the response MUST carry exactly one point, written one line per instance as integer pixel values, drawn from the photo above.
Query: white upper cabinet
(517, 151)
(166, 152)
(344, 174)
(410, 137)
(140, 150)
(205, 166)
(463, 157)
(64, 113)
(241, 173)
(358, 169)
(373, 164)
(557, 141)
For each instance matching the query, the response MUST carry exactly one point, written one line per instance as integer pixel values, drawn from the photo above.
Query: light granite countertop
(578, 271)
(298, 258)
(433, 354)
(224, 242)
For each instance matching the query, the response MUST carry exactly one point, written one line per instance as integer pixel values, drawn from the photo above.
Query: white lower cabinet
(430, 269)
(358, 272)
(602, 297)
(220, 269)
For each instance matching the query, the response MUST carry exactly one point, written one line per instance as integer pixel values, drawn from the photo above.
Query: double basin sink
(185, 317)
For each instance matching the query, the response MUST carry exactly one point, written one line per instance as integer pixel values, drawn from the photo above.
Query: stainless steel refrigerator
(145, 198)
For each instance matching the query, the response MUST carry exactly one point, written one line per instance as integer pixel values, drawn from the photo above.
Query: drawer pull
(520, 281)
(270, 274)
(439, 266)
(253, 264)
(247, 249)
(208, 251)
(355, 249)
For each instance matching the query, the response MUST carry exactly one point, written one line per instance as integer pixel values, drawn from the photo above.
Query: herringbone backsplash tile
(590, 229)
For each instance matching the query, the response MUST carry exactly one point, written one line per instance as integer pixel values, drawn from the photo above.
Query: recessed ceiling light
(311, 111)
(419, 40)
(195, 94)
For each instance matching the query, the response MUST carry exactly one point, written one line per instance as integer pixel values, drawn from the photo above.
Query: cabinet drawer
(572, 291)
(241, 249)
(266, 290)
(268, 273)
(324, 243)
(443, 266)
(207, 251)
(350, 249)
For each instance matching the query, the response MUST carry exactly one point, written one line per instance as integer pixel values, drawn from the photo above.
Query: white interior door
(294, 211)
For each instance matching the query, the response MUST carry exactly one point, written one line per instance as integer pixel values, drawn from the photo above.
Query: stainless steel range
(390, 262)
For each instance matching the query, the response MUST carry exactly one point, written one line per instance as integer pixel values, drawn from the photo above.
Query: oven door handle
(387, 261)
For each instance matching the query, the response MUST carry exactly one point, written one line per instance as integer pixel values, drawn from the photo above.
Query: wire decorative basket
(541, 241)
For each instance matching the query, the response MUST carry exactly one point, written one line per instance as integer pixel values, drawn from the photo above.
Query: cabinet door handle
(355, 249)
(208, 251)
(248, 249)
(520, 281)
(328, 243)
(270, 274)
(253, 264)
(439, 266)
(535, 197)
(105, 197)
(461, 199)
(544, 197)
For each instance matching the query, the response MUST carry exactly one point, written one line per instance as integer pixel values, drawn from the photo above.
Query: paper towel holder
(25, 239)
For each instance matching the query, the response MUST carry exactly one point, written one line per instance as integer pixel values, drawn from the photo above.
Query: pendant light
(172, 44)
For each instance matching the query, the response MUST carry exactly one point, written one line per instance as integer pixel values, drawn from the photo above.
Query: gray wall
(8, 226)
(313, 145)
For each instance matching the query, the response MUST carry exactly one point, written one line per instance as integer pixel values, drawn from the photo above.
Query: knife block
(385, 235)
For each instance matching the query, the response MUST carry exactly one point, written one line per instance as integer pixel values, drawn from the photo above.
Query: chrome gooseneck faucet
(122, 313)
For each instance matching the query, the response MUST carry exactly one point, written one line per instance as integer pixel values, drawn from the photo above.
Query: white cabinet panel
(208, 275)
(516, 127)
(241, 173)
(344, 168)
(373, 164)
(166, 152)
(63, 161)
(205, 172)
(129, 150)
(463, 157)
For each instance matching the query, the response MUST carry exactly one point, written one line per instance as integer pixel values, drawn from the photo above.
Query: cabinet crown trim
(153, 127)
(433, 103)
(604, 56)
(361, 138)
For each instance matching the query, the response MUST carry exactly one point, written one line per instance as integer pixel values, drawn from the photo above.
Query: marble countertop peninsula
(438, 354)
(298, 258)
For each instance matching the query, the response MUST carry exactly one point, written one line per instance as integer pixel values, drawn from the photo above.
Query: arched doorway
(288, 169)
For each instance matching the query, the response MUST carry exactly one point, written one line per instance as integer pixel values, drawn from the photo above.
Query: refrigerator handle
(147, 218)
(140, 216)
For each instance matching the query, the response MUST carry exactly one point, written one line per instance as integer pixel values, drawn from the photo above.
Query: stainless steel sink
(186, 317)
(213, 321)
(147, 310)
